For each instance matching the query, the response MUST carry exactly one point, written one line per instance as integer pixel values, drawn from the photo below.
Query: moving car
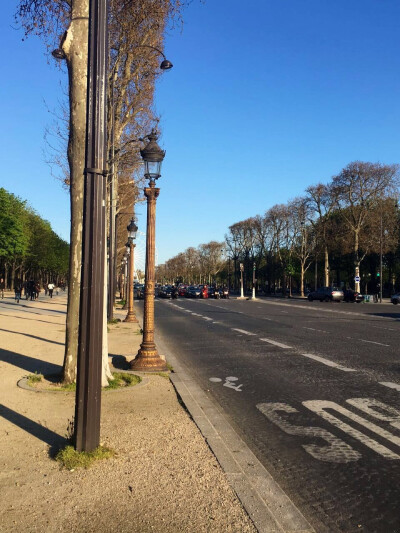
(326, 294)
(352, 296)
(165, 292)
(395, 298)
(193, 292)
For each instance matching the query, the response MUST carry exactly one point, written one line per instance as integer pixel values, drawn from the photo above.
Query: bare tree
(359, 188)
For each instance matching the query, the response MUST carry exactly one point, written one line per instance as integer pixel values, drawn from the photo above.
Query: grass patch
(170, 367)
(113, 321)
(35, 378)
(121, 302)
(162, 374)
(121, 379)
(71, 459)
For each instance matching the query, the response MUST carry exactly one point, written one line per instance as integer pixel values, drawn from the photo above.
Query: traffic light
(378, 274)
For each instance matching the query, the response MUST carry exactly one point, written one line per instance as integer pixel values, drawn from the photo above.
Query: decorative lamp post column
(126, 265)
(132, 229)
(148, 358)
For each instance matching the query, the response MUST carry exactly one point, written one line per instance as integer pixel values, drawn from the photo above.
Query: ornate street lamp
(148, 358)
(132, 230)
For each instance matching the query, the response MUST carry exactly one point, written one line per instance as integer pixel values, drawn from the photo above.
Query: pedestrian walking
(50, 287)
(2, 287)
(17, 290)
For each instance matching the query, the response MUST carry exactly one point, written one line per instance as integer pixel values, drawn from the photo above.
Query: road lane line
(394, 386)
(373, 342)
(243, 331)
(314, 329)
(327, 362)
(275, 343)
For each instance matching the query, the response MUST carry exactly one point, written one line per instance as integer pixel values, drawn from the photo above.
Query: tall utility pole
(88, 387)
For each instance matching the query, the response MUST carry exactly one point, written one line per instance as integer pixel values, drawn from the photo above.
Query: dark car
(352, 296)
(395, 298)
(165, 292)
(193, 292)
(326, 294)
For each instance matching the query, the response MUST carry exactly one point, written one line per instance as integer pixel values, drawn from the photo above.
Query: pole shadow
(30, 364)
(35, 319)
(53, 439)
(32, 336)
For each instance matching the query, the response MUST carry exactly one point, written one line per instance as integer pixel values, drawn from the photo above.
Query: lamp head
(166, 65)
(132, 229)
(153, 157)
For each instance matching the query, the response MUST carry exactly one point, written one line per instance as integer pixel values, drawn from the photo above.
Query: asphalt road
(312, 388)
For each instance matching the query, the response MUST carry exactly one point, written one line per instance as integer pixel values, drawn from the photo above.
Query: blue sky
(265, 98)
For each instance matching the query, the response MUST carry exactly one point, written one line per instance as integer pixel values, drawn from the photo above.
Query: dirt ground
(163, 478)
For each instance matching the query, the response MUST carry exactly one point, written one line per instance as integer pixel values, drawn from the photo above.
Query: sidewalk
(164, 477)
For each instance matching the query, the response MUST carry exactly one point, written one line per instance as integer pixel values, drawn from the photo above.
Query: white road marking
(215, 380)
(243, 331)
(207, 318)
(377, 409)
(394, 386)
(327, 362)
(319, 406)
(275, 343)
(373, 342)
(337, 451)
(314, 329)
(380, 327)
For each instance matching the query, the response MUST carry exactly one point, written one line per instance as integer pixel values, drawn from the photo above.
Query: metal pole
(130, 317)
(88, 387)
(381, 254)
(112, 234)
(148, 357)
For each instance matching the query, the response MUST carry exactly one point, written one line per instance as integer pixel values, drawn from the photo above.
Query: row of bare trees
(340, 224)
(136, 30)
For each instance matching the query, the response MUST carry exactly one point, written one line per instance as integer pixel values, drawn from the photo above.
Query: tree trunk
(75, 46)
(326, 266)
(302, 280)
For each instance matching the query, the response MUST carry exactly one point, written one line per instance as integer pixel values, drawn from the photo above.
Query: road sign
(357, 279)
(241, 267)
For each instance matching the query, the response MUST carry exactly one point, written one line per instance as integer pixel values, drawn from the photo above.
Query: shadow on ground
(30, 364)
(32, 336)
(53, 439)
(119, 362)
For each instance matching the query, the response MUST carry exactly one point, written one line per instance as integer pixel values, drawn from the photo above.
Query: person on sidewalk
(50, 286)
(18, 290)
(2, 287)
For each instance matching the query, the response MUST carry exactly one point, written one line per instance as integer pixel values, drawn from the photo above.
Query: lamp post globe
(153, 157)
(148, 358)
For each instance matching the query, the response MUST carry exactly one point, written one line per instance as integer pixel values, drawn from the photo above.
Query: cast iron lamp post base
(148, 360)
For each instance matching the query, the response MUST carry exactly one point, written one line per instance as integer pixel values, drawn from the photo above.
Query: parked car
(352, 296)
(193, 292)
(395, 298)
(326, 294)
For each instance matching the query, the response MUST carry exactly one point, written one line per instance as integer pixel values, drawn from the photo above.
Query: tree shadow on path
(31, 364)
(53, 439)
(32, 336)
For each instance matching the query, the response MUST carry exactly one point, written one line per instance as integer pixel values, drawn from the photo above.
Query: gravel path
(164, 478)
